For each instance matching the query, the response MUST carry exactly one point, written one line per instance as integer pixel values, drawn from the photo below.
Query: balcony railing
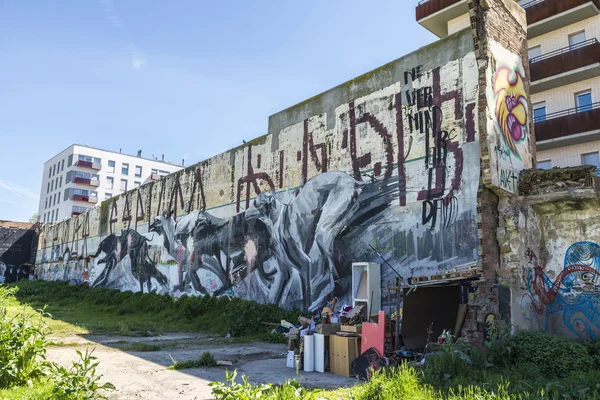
(541, 13)
(564, 50)
(87, 181)
(427, 7)
(74, 213)
(572, 58)
(79, 197)
(88, 164)
(568, 122)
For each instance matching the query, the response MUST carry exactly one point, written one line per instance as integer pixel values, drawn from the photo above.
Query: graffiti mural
(391, 171)
(508, 128)
(572, 299)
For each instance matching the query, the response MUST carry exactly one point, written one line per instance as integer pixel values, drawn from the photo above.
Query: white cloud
(137, 59)
(19, 191)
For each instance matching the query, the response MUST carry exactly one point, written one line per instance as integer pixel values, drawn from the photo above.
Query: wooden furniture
(343, 350)
(366, 280)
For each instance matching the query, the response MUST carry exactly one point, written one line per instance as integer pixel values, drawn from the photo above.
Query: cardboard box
(343, 350)
(352, 328)
(328, 329)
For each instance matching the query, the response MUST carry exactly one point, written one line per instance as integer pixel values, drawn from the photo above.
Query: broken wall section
(550, 244)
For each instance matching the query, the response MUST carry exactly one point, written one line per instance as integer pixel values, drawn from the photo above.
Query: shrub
(205, 360)
(80, 381)
(23, 342)
(554, 356)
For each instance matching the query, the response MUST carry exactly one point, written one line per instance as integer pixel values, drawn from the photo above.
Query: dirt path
(144, 374)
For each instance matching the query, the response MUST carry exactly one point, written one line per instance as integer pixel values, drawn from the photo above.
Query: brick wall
(458, 24)
(563, 97)
(568, 156)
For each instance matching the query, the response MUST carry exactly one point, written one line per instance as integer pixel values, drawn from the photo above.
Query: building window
(138, 171)
(591, 159)
(123, 185)
(97, 160)
(534, 52)
(85, 158)
(154, 171)
(161, 172)
(54, 170)
(576, 38)
(48, 188)
(136, 184)
(70, 160)
(60, 181)
(111, 166)
(46, 203)
(54, 199)
(52, 216)
(583, 101)
(110, 181)
(62, 165)
(125, 169)
(539, 112)
(93, 194)
(51, 185)
(50, 172)
(107, 196)
(58, 198)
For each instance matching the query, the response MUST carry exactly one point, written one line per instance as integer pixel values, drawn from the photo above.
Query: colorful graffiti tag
(508, 129)
(511, 106)
(281, 219)
(573, 297)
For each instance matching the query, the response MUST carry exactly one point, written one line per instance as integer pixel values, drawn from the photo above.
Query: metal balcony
(87, 164)
(568, 127)
(544, 16)
(435, 14)
(565, 66)
(79, 197)
(86, 181)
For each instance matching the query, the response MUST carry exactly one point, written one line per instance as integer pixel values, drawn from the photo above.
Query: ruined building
(419, 163)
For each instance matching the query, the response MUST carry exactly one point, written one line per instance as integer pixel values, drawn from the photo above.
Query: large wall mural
(570, 301)
(508, 127)
(386, 165)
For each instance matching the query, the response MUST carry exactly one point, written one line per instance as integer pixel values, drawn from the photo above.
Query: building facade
(80, 177)
(564, 56)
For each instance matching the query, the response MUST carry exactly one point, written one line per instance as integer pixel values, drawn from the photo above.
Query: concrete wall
(550, 243)
(384, 165)
(18, 244)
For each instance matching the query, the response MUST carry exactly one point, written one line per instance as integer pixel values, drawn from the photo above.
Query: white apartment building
(80, 177)
(564, 58)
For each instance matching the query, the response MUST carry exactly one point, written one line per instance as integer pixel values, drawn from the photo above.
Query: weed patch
(205, 360)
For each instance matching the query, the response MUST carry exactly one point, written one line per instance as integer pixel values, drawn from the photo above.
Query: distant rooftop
(117, 152)
(14, 224)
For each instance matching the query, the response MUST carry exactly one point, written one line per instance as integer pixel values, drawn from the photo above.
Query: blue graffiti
(574, 296)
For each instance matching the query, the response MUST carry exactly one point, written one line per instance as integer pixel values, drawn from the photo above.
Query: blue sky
(187, 78)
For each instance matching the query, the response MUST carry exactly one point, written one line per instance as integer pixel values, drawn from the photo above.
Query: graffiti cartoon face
(511, 107)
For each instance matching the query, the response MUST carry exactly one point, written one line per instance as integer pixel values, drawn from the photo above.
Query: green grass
(79, 309)
(39, 390)
(205, 360)
(142, 347)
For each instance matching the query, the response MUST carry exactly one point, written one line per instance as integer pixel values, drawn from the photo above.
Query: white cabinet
(366, 279)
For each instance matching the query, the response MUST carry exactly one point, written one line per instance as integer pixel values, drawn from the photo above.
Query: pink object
(373, 335)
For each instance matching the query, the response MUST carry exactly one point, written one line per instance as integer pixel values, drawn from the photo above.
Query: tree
(34, 218)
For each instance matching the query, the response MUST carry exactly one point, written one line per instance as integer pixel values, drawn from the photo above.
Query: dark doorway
(423, 306)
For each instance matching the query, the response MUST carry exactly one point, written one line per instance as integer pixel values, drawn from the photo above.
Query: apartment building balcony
(86, 181)
(435, 14)
(88, 164)
(568, 127)
(564, 66)
(544, 16)
(88, 199)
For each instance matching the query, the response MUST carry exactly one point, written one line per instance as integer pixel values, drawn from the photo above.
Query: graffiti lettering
(508, 180)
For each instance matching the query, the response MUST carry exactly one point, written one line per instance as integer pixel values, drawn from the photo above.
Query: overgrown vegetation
(125, 313)
(529, 366)
(24, 369)
(205, 360)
